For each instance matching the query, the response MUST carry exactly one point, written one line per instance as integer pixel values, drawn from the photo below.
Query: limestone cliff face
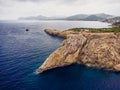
(99, 50)
(66, 54)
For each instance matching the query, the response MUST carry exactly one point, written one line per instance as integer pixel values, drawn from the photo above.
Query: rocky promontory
(98, 50)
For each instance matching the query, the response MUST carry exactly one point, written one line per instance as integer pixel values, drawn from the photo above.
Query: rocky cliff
(99, 50)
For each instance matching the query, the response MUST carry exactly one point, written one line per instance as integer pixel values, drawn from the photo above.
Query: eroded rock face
(99, 50)
(66, 54)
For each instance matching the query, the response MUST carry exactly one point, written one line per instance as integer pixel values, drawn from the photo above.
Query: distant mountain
(40, 17)
(93, 17)
(77, 17)
(104, 16)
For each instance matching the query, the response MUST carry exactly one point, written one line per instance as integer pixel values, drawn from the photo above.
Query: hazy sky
(12, 9)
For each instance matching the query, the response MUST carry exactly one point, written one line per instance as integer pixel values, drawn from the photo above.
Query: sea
(22, 52)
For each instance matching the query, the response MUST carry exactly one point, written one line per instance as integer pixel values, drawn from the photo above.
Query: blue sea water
(21, 53)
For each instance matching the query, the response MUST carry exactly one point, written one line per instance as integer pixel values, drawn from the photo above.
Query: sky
(13, 9)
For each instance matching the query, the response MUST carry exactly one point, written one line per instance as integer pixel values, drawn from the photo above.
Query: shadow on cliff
(55, 37)
(75, 68)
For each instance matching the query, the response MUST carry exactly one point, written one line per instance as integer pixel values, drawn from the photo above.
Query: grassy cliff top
(97, 30)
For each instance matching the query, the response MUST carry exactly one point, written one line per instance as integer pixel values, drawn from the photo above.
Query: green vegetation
(97, 30)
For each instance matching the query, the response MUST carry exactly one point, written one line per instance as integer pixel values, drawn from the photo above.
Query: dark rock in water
(27, 30)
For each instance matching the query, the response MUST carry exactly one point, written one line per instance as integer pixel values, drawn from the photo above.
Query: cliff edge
(99, 50)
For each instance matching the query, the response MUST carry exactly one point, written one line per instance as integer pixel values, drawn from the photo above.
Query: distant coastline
(77, 17)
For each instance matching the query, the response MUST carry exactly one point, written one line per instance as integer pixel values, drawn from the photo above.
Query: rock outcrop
(99, 50)
(63, 34)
